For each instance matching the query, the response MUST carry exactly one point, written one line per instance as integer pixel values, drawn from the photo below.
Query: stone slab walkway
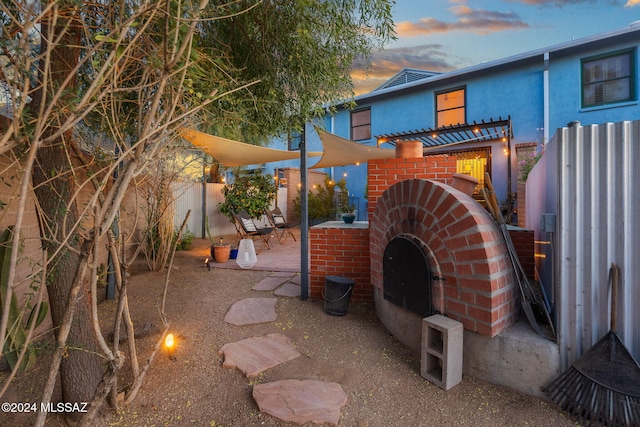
(301, 401)
(288, 290)
(270, 283)
(298, 401)
(254, 355)
(249, 311)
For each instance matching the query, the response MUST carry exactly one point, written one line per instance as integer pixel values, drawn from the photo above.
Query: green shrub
(185, 240)
(253, 193)
(321, 204)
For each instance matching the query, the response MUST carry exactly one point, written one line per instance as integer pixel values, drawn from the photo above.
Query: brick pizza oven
(455, 258)
(446, 255)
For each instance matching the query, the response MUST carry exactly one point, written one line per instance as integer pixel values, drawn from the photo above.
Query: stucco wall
(30, 255)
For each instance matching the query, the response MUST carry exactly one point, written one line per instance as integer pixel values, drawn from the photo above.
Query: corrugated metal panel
(598, 208)
(189, 196)
(218, 223)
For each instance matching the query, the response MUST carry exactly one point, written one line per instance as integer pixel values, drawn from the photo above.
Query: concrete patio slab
(254, 355)
(288, 290)
(249, 311)
(283, 257)
(301, 402)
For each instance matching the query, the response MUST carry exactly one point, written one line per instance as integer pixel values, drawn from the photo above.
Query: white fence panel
(201, 198)
(188, 195)
(588, 177)
(218, 223)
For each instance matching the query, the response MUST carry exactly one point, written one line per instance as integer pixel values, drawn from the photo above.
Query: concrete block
(441, 352)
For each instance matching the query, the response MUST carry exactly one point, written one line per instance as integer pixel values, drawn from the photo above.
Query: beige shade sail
(339, 151)
(234, 153)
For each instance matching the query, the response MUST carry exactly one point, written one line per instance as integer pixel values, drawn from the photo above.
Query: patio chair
(247, 229)
(280, 225)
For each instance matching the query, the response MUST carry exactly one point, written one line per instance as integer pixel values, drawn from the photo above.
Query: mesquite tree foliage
(96, 91)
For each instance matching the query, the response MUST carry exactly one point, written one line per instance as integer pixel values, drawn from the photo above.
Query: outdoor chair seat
(247, 229)
(281, 227)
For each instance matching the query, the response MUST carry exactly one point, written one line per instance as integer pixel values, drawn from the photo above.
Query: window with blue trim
(295, 138)
(608, 79)
(451, 107)
(361, 124)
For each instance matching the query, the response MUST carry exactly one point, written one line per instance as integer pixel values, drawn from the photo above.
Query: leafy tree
(296, 55)
(98, 87)
(254, 193)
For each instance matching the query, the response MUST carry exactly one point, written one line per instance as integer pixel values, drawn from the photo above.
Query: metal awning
(485, 131)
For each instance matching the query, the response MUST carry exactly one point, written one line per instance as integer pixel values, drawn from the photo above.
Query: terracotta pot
(408, 149)
(221, 252)
(465, 183)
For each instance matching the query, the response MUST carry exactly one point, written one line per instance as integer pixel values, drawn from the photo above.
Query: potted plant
(346, 210)
(348, 214)
(220, 251)
(252, 193)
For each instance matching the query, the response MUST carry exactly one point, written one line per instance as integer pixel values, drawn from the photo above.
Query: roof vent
(407, 76)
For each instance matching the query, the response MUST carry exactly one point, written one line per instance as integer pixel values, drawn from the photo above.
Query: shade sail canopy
(234, 153)
(340, 151)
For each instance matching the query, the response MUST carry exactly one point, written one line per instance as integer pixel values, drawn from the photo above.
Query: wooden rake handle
(491, 199)
(614, 276)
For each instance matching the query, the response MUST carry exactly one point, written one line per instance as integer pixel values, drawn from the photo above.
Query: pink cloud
(472, 20)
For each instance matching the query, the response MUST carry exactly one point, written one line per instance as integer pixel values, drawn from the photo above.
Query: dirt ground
(380, 376)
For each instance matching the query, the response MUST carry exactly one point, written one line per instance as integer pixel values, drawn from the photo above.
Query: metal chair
(280, 225)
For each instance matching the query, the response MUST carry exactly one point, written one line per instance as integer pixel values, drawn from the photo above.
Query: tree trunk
(55, 186)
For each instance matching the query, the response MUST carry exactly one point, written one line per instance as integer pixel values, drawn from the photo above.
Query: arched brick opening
(473, 278)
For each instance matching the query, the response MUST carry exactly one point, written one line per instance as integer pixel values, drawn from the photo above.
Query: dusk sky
(444, 35)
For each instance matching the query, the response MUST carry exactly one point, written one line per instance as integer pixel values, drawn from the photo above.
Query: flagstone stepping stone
(253, 355)
(288, 290)
(281, 274)
(249, 311)
(301, 402)
(269, 283)
(297, 279)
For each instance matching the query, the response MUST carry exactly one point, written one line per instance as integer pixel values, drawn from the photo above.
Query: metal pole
(304, 222)
(203, 217)
(509, 183)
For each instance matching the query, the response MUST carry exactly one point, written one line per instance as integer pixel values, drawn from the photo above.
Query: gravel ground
(380, 376)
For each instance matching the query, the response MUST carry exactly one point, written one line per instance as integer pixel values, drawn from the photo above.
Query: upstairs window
(450, 108)
(361, 125)
(607, 79)
(295, 138)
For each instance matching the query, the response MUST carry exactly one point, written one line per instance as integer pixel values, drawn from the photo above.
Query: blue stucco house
(485, 112)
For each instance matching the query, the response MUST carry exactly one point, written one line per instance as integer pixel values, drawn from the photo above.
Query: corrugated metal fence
(589, 181)
(205, 198)
(201, 198)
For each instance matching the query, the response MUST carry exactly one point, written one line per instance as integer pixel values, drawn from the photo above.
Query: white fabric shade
(339, 151)
(234, 153)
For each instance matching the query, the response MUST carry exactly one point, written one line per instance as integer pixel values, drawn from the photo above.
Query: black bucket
(337, 292)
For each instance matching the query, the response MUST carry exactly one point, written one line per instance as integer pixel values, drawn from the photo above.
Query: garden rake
(603, 385)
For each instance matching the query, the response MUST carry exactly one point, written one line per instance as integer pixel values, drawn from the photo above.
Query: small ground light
(206, 262)
(170, 345)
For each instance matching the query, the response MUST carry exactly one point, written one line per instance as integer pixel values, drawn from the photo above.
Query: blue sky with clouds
(443, 35)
